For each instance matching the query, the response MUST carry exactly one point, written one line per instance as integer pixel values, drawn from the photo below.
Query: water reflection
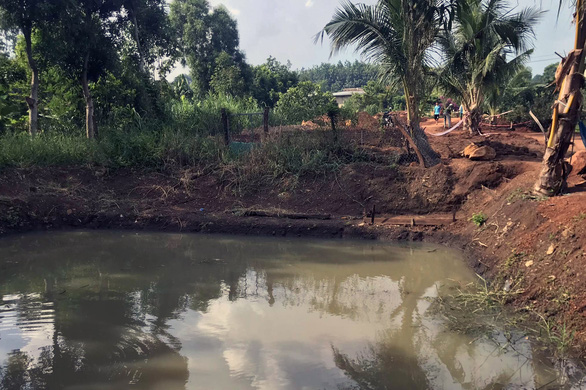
(170, 311)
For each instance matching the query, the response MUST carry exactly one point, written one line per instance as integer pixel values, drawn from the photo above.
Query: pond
(113, 310)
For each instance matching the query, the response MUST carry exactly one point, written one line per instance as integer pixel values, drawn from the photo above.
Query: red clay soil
(539, 244)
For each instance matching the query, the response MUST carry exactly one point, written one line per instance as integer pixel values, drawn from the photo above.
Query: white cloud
(309, 3)
(234, 11)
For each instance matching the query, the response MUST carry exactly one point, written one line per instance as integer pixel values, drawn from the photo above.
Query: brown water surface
(118, 310)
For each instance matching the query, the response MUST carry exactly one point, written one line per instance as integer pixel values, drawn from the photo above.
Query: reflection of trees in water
(392, 363)
(382, 367)
(111, 324)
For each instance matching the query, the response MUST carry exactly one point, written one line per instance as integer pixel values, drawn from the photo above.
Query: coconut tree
(397, 35)
(569, 80)
(488, 45)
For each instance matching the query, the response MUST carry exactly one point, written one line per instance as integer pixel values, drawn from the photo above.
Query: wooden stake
(265, 120)
(225, 126)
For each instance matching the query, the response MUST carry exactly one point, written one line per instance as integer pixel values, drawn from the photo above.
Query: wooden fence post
(225, 126)
(265, 120)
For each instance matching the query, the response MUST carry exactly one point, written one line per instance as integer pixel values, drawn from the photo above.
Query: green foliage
(203, 35)
(479, 219)
(12, 106)
(303, 102)
(270, 79)
(396, 35)
(21, 150)
(377, 98)
(478, 51)
(283, 160)
(227, 78)
(335, 77)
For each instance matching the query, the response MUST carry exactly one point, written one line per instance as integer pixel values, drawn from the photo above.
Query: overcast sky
(285, 30)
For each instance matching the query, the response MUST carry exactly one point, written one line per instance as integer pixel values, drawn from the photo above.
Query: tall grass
(190, 135)
(20, 150)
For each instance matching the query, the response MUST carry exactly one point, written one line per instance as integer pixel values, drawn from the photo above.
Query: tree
(569, 80)
(83, 46)
(26, 16)
(548, 75)
(203, 35)
(516, 94)
(12, 75)
(270, 79)
(148, 24)
(477, 52)
(228, 78)
(304, 102)
(335, 77)
(397, 35)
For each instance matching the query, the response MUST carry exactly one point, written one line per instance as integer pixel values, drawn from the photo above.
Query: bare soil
(538, 244)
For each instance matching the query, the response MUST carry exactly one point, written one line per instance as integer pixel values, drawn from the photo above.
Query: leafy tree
(26, 16)
(83, 46)
(181, 87)
(376, 98)
(397, 35)
(228, 78)
(548, 75)
(335, 77)
(516, 93)
(12, 75)
(148, 24)
(270, 79)
(304, 102)
(478, 52)
(203, 35)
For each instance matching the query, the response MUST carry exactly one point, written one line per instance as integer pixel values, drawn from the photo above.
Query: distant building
(346, 93)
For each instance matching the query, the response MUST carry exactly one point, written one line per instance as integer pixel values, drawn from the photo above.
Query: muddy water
(110, 310)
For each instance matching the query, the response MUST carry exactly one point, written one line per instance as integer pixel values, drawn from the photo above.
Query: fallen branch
(276, 214)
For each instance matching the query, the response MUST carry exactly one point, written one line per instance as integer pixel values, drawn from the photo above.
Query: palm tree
(569, 81)
(477, 52)
(398, 35)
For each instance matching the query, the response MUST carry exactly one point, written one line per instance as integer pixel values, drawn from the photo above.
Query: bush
(479, 219)
(304, 102)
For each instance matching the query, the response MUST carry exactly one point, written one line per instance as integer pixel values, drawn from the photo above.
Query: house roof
(349, 92)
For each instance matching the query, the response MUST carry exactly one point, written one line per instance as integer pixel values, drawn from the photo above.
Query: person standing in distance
(436, 111)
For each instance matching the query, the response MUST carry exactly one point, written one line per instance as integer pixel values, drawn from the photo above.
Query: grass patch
(478, 309)
(280, 160)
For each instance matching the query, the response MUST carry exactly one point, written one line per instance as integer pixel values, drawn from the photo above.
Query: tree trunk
(566, 113)
(472, 119)
(137, 39)
(430, 157)
(33, 100)
(90, 123)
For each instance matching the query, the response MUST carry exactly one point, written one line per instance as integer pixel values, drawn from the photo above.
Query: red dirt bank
(538, 244)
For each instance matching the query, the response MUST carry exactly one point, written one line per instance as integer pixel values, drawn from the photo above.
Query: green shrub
(479, 219)
(303, 102)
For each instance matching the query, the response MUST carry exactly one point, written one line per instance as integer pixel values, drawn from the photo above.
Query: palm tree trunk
(566, 113)
(418, 136)
(90, 123)
(33, 100)
(472, 119)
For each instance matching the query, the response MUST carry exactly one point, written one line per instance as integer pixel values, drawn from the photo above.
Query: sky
(285, 30)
